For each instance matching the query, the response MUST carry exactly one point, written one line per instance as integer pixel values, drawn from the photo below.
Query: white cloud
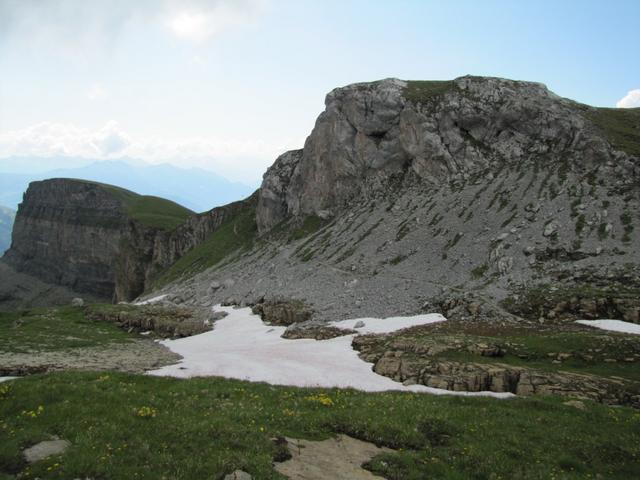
(199, 21)
(630, 100)
(96, 92)
(80, 29)
(52, 139)
(239, 158)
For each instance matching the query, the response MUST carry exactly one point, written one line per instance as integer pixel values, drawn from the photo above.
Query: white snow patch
(612, 325)
(6, 379)
(151, 300)
(241, 346)
(388, 325)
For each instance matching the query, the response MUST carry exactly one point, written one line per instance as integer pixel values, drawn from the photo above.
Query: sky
(228, 85)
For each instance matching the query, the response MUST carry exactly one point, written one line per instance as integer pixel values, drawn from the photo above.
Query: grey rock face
(272, 205)
(78, 235)
(68, 233)
(370, 131)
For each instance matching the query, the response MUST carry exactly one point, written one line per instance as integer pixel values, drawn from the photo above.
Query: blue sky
(229, 84)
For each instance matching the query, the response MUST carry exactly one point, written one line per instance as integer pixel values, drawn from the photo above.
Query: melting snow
(6, 379)
(241, 346)
(387, 325)
(612, 325)
(151, 300)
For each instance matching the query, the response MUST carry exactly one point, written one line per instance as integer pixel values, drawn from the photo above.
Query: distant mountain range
(7, 216)
(194, 188)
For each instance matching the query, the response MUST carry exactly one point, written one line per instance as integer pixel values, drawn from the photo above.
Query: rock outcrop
(441, 131)
(7, 217)
(68, 233)
(87, 236)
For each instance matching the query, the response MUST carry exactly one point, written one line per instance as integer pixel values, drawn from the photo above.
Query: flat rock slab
(339, 458)
(45, 449)
(238, 475)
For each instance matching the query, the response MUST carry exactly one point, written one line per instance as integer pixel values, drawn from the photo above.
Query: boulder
(43, 450)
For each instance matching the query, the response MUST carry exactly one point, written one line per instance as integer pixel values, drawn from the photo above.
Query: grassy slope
(149, 210)
(591, 352)
(620, 125)
(205, 428)
(54, 329)
(238, 231)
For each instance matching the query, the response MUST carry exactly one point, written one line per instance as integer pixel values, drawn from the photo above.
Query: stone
(238, 475)
(283, 312)
(575, 404)
(358, 324)
(77, 302)
(43, 450)
(550, 229)
(341, 457)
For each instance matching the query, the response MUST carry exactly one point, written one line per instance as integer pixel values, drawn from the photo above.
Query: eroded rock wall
(68, 233)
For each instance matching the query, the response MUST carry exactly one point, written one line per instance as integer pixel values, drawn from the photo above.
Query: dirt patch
(339, 458)
(136, 356)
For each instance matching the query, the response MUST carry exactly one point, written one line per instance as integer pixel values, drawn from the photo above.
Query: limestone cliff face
(68, 233)
(440, 131)
(80, 235)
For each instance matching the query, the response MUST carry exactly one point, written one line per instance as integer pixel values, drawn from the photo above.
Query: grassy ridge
(139, 427)
(238, 231)
(149, 210)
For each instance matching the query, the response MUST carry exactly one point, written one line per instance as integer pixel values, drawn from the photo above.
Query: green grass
(236, 232)
(54, 329)
(149, 210)
(620, 125)
(141, 427)
(310, 225)
(479, 271)
(420, 91)
(539, 351)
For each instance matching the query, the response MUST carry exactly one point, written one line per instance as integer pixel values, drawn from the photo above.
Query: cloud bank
(630, 100)
(239, 159)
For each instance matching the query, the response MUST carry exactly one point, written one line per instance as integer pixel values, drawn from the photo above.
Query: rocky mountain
(403, 192)
(7, 216)
(197, 189)
(98, 239)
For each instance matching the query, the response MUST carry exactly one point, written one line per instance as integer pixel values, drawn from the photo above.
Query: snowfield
(612, 325)
(241, 346)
